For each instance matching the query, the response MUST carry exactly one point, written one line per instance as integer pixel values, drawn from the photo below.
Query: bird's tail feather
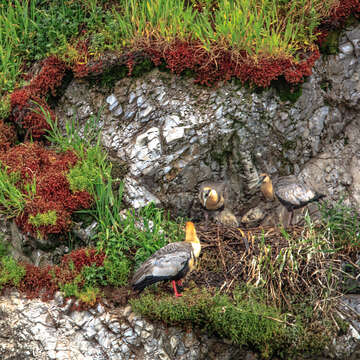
(147, 281)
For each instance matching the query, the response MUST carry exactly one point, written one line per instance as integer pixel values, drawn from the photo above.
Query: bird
(291, 192)
(171, 262)
(212, 197)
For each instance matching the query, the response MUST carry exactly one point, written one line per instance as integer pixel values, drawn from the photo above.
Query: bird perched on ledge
(211, 195)
(212, 198)
(291, 192)
(171, 262)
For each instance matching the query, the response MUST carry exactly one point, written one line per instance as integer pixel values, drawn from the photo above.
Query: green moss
(10, 272)
(330, 46)
(115, 73)
(142, 67)
(286, 91)
(109, 77)
(85, 174)
(244, 322)
(245, 319)
(43, 219)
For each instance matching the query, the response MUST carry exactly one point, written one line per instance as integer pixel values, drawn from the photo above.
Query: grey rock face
(32, 330)
(174, 134)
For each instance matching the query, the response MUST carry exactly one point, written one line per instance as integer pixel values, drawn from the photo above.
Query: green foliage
(93, 167)
(12, 199)
(72, 288)
(5, 106)
(40, 219)
(10, 271)
(86, 294)
(244, 322)
(341, 224)
(4, 248)
(117, 268)
(94, 275)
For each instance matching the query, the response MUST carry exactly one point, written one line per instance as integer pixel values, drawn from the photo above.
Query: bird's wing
(296, 194)
(165, 263)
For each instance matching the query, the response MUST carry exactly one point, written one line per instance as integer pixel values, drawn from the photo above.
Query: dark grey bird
(171, 262)
(291, 192)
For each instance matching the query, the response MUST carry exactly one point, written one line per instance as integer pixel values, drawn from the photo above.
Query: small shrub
(40, 219)
(89, 295)
(117, 269)
(11, 272)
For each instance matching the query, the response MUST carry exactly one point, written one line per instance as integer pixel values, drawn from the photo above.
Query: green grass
(31, 30)
(341, 224)
(12, 199)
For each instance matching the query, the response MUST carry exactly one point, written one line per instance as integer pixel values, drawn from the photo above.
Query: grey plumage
(172, 262)
(168, 263)
(293, 193)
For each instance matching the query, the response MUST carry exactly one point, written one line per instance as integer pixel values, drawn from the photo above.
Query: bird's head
(264, 179)
(209, 195)
(190, 233)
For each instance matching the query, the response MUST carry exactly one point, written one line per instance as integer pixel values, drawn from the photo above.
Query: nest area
(284, 264)
(228, 253)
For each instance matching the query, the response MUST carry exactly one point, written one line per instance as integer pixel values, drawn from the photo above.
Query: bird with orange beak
(172, 262)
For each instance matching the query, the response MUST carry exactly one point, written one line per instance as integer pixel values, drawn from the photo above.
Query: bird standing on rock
(291, 192)
(171, 262)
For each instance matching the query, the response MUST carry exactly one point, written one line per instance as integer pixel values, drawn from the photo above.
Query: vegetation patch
(282, 273)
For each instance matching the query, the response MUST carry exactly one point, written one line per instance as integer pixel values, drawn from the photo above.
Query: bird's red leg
(179, 282)
(175, 289)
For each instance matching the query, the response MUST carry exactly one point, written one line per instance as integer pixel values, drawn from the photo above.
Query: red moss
(221, 64)
(38, 282)
(25, 102)
(338, 15)
(49, 77)
(42, 206)
(32, 160)
(7, 136)
(26, 113)
(83, 257)
(44, 281)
